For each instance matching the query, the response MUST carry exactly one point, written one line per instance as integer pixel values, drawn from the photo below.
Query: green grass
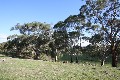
(26, 69)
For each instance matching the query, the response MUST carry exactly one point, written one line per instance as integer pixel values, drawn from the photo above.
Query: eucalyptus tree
(60, 36)
(38, 35)
(75, 26)
(69, 32)
(104, 15)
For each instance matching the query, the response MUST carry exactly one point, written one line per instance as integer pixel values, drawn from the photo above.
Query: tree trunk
(76, 58)
(102, 62)
(103, 58)
(56, 58)
(114, 54)
(114, 59)
(18, 53)
(71, 59)
(37, 55)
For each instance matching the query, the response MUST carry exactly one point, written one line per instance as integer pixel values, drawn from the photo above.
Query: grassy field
(26, 69)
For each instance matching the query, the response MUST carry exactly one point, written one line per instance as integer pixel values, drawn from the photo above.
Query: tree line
(98, 22)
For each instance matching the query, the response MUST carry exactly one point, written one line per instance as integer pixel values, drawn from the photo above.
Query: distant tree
(16, 43)
(38, 35)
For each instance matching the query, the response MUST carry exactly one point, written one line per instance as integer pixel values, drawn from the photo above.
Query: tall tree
(75, 25)
(60, 36)
(106, 14)
(71, 31)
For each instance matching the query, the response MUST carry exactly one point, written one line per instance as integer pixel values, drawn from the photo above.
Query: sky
(24, 11)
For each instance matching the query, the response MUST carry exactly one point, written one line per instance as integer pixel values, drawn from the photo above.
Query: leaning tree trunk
(37, 55)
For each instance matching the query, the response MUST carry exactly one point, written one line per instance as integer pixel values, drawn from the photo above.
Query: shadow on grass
(83, 58)
(5, 54)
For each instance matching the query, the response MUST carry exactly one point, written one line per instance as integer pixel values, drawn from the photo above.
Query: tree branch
(118, 29)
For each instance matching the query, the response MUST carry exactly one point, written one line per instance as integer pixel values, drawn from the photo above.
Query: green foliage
(100, 17)
(28, 28)
(97, 38)
(105, 14)
(32, 41)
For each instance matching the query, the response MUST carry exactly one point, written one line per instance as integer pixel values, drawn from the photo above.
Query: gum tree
(75, 25)
(60, 36)
(104, 15)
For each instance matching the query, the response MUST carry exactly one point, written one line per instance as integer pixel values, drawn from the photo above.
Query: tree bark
(103, 58)
(18, 53)
(102, 62)
(114, 56)
(113, 52)
(71, 59)
(36, 55)
(114, 59)
(56, 58)
(76, 59)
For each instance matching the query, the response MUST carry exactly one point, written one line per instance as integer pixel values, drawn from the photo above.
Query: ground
(27, 69)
